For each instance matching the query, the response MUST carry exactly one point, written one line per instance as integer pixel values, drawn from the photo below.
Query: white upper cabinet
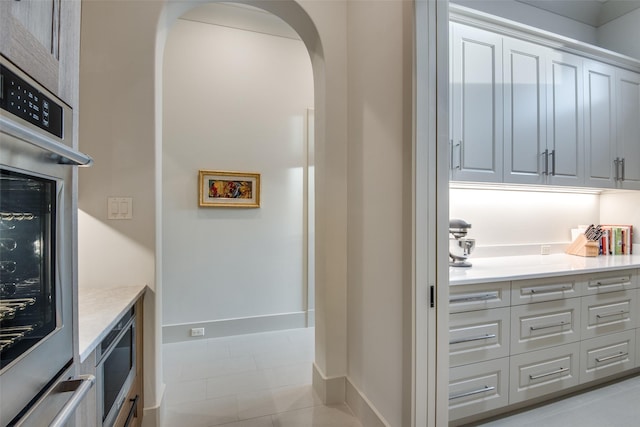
(523, 112)
(628, 124)
(525, 118)
(476, 105)
(600, 123)
(564, 158)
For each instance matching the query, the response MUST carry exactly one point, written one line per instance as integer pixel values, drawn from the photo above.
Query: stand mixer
(460, 246)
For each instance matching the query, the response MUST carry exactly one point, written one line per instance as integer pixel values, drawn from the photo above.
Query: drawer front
(540, 290)
(476, 336)
(637, 348)
(478, 388)
(608, 313)
(545, 371)
(607, 355)
(611, 282)
(479, 297)
(542, 325)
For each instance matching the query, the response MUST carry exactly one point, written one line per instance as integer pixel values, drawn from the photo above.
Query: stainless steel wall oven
(36, 253)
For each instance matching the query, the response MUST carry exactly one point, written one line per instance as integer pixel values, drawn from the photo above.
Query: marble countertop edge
(508, 268)
(99, 309)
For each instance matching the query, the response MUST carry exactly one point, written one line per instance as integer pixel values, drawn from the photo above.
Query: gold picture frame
(229, 189)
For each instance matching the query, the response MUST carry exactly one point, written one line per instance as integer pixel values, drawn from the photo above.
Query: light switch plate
(119, 208)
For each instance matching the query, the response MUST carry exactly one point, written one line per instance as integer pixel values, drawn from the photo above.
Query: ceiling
(591, 12)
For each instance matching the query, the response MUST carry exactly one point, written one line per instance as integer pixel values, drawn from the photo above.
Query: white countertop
(99, 310)
(498, 269)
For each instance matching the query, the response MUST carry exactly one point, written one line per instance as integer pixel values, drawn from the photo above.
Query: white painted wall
(521, 218)
(622, 208)
(380, 132)
(535, 17)
(622, 34)
(234, 100)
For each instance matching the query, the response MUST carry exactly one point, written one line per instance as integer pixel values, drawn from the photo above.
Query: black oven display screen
(116, 368)
(27, 242)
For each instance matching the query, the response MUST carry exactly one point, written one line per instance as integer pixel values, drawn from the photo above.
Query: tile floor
(256, 380)
(264, 380)
(615, 405)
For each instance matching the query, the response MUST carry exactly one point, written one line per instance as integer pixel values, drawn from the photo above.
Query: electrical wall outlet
(197, 332)
(545, 249)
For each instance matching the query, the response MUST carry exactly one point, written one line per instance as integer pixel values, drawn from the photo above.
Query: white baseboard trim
(311, 318)
(362, 408)
(339, 390)
(239, 326)
(153, 416)
(330, 390)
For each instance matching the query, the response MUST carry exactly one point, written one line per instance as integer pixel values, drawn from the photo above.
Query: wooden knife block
(583, 247)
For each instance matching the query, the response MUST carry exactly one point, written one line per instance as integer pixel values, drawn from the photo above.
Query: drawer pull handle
(474, 297)
(548, 374)
(553, 325)
(618, 281)
(613, 356)
(471, 393)
(547, 289)
(615, 313)
(483, 337)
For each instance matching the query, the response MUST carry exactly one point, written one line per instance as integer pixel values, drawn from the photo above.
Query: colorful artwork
(220, 188)
(229, 189)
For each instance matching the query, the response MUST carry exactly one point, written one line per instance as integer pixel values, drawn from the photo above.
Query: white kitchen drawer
(547, 324)
(478, 388)
(479, 296)
(544, 371)
(607, 355)
(549, 289)
(637, 348)
(621, 280)
(476, 336)
(608, 313)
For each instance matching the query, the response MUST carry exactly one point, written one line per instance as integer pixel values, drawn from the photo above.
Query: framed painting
(229, 189)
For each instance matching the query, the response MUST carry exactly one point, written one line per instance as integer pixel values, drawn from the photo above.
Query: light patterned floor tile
(317, 416)
(253, 422)
(273, 401)
(204, 413)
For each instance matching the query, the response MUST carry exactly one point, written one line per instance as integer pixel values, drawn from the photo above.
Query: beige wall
(120, 101)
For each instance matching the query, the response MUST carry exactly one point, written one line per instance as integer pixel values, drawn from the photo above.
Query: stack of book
(616, 240)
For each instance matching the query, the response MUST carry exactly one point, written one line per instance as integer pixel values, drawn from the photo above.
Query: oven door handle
(67, 155)
(80, 386)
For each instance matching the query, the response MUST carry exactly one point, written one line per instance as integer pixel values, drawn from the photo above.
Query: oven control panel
(25, 101)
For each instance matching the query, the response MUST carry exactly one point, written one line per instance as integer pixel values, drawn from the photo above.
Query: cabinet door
(565, 136)
(476, 151)
(42, 38)
(600, 124)
(524, 112)
(629, 129)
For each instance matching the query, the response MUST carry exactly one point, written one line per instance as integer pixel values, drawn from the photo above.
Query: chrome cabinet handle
(614, 313)
(478, 338)
(616, 168)
(622, 174)
(613, 356)
(546, 162)
(553, 325)
(553, 162)
(612, 282)
(132, 411)
(546, 289)
(548, 374)
(471, 393)
(474, 297)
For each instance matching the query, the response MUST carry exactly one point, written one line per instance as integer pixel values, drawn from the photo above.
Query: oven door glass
(27, 290)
